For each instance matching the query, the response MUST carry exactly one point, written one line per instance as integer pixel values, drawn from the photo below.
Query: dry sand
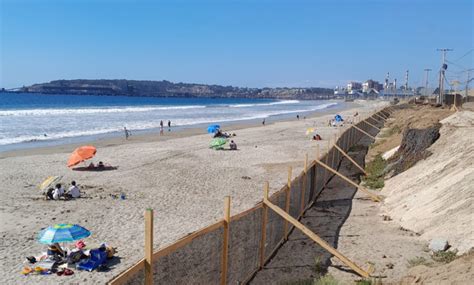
(181, 179)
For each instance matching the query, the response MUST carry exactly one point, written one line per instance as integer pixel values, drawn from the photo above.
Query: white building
(354, 87)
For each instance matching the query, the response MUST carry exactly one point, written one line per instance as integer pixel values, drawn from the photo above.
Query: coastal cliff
(141, 88)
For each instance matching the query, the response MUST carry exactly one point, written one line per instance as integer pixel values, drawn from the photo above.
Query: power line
(464, 55)
(455, 64)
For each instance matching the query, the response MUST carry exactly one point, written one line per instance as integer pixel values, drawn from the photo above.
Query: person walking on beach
(263, 122)
(169, 126)
(161, 127)
(298, 117)
(127, 133)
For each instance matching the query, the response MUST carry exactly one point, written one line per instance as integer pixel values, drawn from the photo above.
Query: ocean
(33, 120)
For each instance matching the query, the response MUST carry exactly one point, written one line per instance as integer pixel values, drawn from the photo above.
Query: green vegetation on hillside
(375, 172)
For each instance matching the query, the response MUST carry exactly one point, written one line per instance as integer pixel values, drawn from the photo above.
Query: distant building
(354, 87)
(371, 84)
(339, 91)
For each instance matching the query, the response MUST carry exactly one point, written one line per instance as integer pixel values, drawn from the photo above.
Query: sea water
(32, 120)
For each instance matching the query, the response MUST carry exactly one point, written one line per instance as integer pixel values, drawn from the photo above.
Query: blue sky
(241, 43)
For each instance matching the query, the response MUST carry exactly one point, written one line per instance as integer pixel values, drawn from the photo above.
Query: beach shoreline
(179, 177)
(145, 136)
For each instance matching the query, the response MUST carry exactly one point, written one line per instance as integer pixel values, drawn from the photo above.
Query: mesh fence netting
(198, 262)
(244, 243)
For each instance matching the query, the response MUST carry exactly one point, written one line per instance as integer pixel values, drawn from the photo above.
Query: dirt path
(350, 222)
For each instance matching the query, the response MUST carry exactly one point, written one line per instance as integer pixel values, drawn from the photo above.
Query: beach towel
(97, 258)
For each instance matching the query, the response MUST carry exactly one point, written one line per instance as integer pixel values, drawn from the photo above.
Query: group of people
(99, 166)
(162, 127)
(220, 134)
(83, 259)
(58, 192)
(317, 137)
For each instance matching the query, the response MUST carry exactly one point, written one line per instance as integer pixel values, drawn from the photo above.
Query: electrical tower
(442, 72)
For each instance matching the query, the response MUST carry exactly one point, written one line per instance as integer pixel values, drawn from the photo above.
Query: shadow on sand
(300, 259)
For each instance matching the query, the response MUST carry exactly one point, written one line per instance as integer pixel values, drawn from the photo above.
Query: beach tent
(213, 128)
(338, 118)
(80, 154)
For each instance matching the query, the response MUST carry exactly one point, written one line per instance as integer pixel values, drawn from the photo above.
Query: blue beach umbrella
(213, 128)
(62, 233)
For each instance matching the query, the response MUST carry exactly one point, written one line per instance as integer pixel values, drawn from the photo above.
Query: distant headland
(144, 88)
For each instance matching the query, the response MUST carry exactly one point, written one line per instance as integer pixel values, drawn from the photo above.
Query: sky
(240, 43)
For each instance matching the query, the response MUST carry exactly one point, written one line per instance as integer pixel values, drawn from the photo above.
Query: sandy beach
(177, 175)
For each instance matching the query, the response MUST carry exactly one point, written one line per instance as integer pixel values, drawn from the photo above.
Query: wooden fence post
(287, 202)
(367, 122)
(327, 161)
(264, 225)
(225, 243)
(374, 197)
(315, 178)
(345, 134)
(334, 153)
(316, 238)
(305, 179)
(383, 119)
(148, 247)
(350, 159)
(364, 132)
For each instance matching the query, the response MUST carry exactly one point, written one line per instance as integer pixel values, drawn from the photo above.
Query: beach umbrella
(51, 180)
(213, 128)
(80, 154)
(218, 142)
(309, 131)
(62, 233)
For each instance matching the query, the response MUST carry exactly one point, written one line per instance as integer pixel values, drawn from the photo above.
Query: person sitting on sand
(49, 194)
(55, 252)
(233, 145)
(58, 192)
(220, 134)
(100, 166)
(74, 191)
(91, 165)
(317, 137)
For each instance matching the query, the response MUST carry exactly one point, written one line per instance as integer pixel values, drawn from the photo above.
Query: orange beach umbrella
(80, 154)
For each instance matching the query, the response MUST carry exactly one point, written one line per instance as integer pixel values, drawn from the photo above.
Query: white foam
(283, 102)
(78, 111)
(142, 123)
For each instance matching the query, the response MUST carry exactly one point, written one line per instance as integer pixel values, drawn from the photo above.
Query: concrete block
(438, 244)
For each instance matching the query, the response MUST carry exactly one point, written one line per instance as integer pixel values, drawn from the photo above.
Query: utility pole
(442, 71)
(427, 74)
(467, 81)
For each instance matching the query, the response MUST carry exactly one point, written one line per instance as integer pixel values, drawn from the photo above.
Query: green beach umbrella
(218, 142)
